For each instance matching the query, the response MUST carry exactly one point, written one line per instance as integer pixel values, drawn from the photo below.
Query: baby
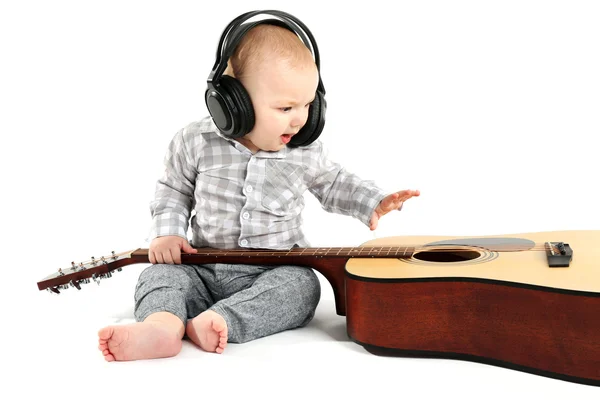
(243, 192)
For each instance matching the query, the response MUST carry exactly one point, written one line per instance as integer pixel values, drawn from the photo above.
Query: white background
(489, 108)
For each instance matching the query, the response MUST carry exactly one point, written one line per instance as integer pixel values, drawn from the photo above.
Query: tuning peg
(96, 279)
(73, 266)
(53, 290)
(93, 261)
(114, 256)
(75, 284)
(60, 272)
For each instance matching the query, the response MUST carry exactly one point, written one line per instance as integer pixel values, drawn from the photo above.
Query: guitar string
(365, 249)
(339, 251)
(303, 251)
(318, 251)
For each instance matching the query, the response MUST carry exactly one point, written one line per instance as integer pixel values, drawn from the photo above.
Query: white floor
(56, 357)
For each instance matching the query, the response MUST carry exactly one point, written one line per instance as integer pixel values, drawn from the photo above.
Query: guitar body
(493, 300)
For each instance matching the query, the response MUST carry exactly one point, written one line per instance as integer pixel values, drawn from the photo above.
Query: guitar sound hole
(447, 256)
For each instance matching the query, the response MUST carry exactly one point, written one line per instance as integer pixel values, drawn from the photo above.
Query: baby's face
(281, 97)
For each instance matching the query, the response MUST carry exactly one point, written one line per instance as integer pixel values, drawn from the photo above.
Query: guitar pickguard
(488, 243)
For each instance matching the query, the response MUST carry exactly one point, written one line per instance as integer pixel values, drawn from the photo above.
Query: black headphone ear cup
(314, 123)
(242, 104)
(234, 114)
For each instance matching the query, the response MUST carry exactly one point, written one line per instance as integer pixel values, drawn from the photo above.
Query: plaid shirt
(238, 199)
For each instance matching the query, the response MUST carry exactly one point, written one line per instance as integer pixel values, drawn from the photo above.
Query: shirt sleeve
(342, 192)
(174, 193)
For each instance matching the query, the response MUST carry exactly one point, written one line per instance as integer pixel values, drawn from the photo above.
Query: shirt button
(249, 189)
(244, 242)
(246, 215)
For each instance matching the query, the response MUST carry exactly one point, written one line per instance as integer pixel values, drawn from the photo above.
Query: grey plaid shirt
(238, 199)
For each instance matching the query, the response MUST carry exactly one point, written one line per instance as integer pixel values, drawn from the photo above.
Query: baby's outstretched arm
(391, 202)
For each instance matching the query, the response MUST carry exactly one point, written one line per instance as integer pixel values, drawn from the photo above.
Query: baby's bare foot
(138, 341)
(209, 331)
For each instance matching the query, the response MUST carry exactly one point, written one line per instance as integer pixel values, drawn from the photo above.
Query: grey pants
(255, 301)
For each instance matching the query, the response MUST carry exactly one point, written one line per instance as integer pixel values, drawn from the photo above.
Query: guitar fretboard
(344, 252)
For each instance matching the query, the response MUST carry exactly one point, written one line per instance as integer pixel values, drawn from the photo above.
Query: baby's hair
(264, 43)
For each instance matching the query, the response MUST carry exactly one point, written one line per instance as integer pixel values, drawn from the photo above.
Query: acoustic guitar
(528, 302)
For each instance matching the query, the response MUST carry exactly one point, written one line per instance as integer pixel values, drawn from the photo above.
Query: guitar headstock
(94, 269)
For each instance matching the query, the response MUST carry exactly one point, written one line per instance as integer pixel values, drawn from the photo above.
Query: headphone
(227, 100)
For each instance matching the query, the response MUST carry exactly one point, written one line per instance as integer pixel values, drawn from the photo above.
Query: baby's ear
(229, 69)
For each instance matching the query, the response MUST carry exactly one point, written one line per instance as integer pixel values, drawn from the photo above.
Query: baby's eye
(285, 109)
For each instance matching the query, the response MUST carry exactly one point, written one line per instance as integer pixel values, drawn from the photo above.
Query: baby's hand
(167, 249)
(391, 202)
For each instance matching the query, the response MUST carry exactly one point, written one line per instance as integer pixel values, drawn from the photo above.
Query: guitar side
(508, 309)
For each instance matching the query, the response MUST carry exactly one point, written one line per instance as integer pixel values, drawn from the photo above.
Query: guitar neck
(329, 261)
(298, 256)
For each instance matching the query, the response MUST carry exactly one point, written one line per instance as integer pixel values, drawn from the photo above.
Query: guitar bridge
(559, 254)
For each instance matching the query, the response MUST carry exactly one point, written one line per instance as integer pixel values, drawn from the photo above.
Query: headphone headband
(234, 32)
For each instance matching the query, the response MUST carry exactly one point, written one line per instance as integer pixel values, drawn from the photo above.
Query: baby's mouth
(286, 137)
